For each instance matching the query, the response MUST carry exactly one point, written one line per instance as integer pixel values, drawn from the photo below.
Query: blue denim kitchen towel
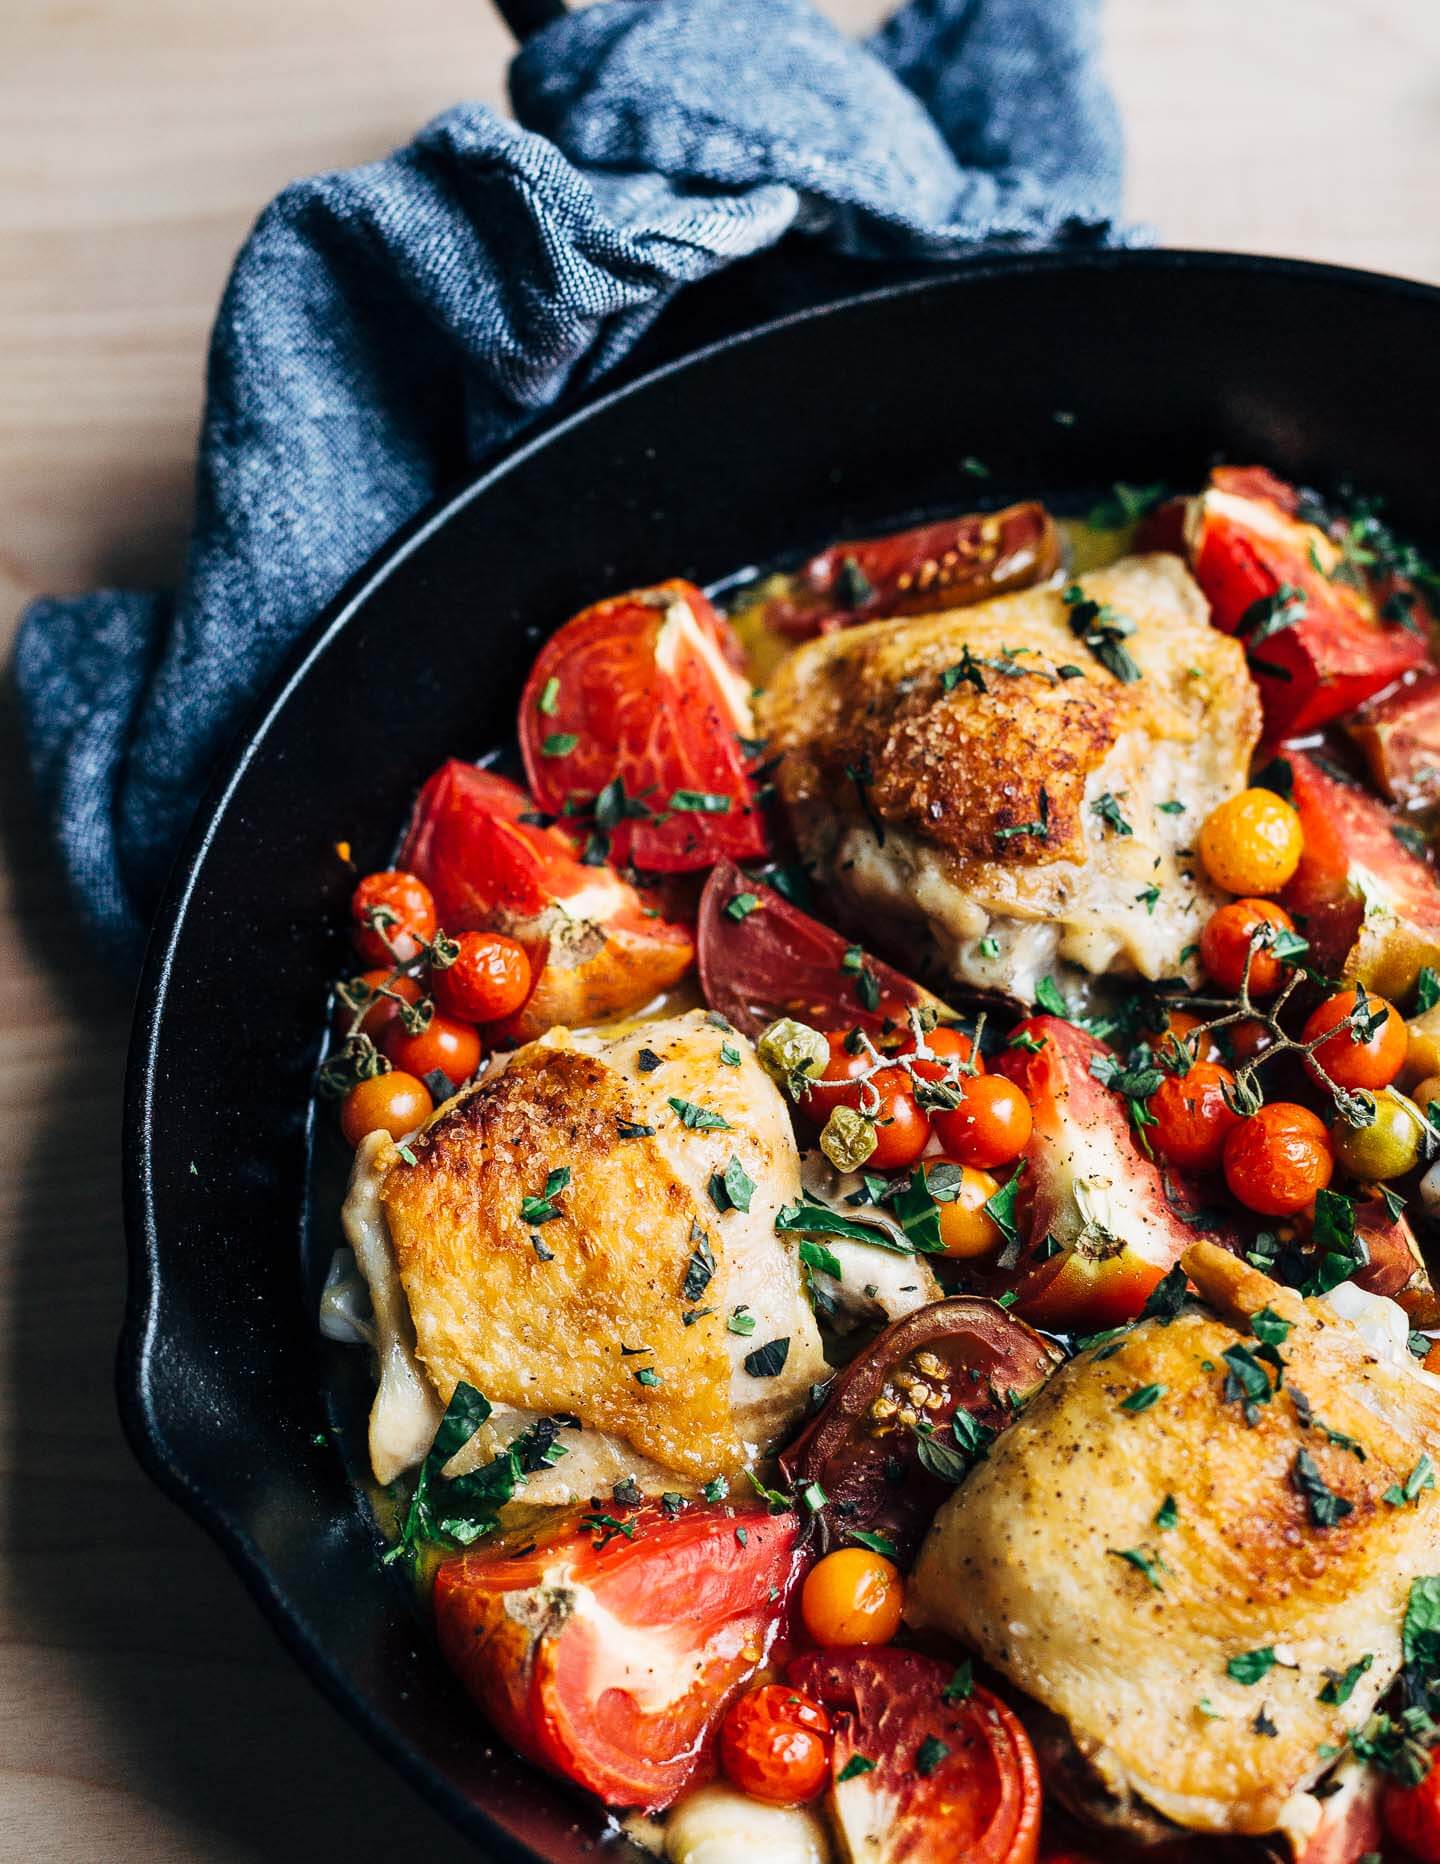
(387, 328)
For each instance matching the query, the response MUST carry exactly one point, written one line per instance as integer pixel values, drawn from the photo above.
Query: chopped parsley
(1422, 1476)
(1340, 1684)
(1103, 630)
(1150, 1564)
(1040, 828)
(1107, 807)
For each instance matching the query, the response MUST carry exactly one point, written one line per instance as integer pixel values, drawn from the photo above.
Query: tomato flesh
(1400, 737)
(612, 1664)
(642, 688)
(951, 1779)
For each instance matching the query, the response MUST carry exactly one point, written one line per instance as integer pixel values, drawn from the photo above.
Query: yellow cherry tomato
(966, 1228)
(852, 1596)
(1389, 1146)
(1252, 843)
(1423, 1051)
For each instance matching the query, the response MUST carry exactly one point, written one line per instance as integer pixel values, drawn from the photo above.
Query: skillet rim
(145, 1245)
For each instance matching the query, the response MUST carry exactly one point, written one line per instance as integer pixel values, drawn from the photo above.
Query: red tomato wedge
(592, 948)
(949, 1780)
(645, 688)
(1396, 1266)
(1250, 551)
(771, 959)
(611, 1660)
(1370, 908)
(951, 564)
(1400, 736)
(1088, 1187)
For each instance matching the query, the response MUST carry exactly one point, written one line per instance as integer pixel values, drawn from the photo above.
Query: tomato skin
(990, 1127)
(775, 1745)
(1251, 843)
(980, 1801)
(1192, 1116)
(1277, 1160)
(394, 1103)
(1226, 940)
(946, 1044)
(838, 1083)
(382, 1013)
(967, 1230)
(560, 1686)
(852, 1596)
(636, 687)
(1400, 736)
(1412, 1816)
(1180, 1026)
(444, 1045)
(489, 979)
(1373, 1063)
(409, 899)
(902, 1130)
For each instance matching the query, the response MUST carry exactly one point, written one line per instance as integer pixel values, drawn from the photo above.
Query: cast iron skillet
(1054, 371)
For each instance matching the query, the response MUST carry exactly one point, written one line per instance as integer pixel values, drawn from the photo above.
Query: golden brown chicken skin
(1183, 1574)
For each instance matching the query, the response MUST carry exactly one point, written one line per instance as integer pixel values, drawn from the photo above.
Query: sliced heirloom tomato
(1400, 737)
(1396, 1266)
(950, 564)
(1100, 1230)
(1317, 647)
(1369, 907)
(964, 1354)
(593, 950)
(611, 1659)
(645, 689)
(761, 957)
(943, 1772)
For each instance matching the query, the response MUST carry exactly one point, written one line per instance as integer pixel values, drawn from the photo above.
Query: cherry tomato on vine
(393, 1103)
(1180, 1026)
(378, 1018)
(948, 1044)
(775, 1745)
(1192, 1117)
(966, 1228)
(1252, 843)
(1277, 1159)
(838, 1083)
(1368, 1054)
(1392, 1144)
(852, 1596)
(991, 1126)
(902, 1129)
(489, 979)
(1412, 1816)
(1225, 942)
(409, 900)
(447, 1045)
(1244, 1040)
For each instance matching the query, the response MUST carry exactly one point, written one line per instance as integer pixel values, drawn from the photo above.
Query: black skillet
(1056, 372)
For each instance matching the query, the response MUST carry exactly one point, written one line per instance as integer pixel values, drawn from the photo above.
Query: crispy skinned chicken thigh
(607, 1300)
(946, 769)
(1054, 1562)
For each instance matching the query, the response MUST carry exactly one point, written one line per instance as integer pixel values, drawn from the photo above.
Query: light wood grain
(145, 1712)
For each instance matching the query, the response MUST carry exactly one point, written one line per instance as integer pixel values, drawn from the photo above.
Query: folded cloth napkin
(387, 328)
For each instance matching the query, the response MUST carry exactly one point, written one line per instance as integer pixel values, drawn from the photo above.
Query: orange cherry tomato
(775, 1745)
(991, 1126)
(1181, 1025)
(1352, 1056)
(1277, 1160)
(1192, 1118)
(393, 1103)
(449, 1046)
(966, 1228)
(1412, 1816)
(852, 1596)
(1252, 843)
(1226, 940)
(902, 1129)
(378, 1018)
(490, 978)
(406, 909)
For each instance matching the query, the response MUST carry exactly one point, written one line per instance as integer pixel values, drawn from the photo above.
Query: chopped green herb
(853, 1768)
(558, 744)
(1171, 808)
(741, 1323)
(733, 1188)
(740, 906)
(877, 1543)
(646, 1375)
(700, 1269)
(1340, 1684)
(1051, 998)
(549, 697)
(1124, 505)
(1270, 1327)
(1149, 897)
(989, 947)
(1142, 1398)
(1167, 1297)
(632, 1129)
(1427, 989)
(1167, 1515)
(769, 1359)
(716, 1489)
(1109, 811)
(1103, 629)
(817, 1220)
(1326, 1507)
(817, 1256)
(1422, 1476)
(1150, 1564)
(700, 802)
(700, 1119)
(931, 1752)
(542, 1209)
(648, 1061)
(1251, 1665)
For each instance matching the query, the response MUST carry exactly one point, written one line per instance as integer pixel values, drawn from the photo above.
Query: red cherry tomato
(490, 978)
(775, 1745)
(1192, 1117)
(1227, 938)
(1412, 1816)
(378, 1018)
(704, 1606)
(452, 1048)
(1368, 1054)
(1278, 1159)
(403, 904)
(643, 688)
(991, 1125)
(838, 1083)
(902, 1130)
(946, 1044)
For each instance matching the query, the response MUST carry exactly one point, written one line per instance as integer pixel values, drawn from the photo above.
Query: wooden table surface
(145, 1712)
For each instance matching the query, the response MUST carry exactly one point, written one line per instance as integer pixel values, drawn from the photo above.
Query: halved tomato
(642, 692)
(1100, 1230)
(610, 1653)
(945, 1770)
(1396, 1266)
(951, 564)
(1317, 646)
(962, 1354)
(761, 957)
(1369, 907)
(594, 949)
(1400, 736)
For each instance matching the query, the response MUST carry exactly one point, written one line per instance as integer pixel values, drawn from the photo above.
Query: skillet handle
(527, 17)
